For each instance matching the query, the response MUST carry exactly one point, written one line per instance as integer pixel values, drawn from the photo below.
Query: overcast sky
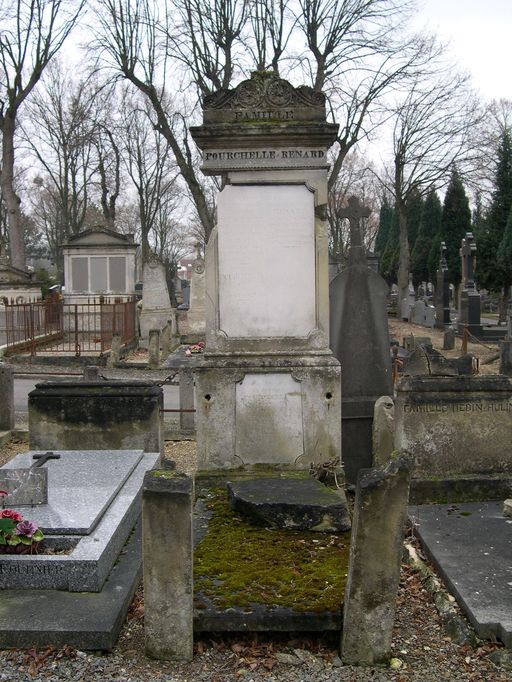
(480, 33)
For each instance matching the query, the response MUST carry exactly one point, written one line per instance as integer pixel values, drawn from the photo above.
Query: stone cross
(443, 264)
(468, 256)
(42, 459)
(354, 212)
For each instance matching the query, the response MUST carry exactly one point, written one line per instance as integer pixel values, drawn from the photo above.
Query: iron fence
(53, 326)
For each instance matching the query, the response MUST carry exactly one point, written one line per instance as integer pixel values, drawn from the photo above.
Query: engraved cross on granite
(354, 212)
(468, 255)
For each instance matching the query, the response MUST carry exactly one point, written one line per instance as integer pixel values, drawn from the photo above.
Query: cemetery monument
(268, 391)
(359, 339)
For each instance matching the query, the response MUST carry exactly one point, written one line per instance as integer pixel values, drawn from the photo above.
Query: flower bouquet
(18, 535)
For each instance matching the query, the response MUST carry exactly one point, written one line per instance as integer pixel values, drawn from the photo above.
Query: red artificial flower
(11, 514)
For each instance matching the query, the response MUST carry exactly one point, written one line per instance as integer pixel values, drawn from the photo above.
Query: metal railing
(53, 326)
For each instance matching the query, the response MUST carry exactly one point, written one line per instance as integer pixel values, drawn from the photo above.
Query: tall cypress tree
(429, 231)
(389, 260)
(504, 255)
(455, 222)
(489, 271)
(414, 212)
(385, 223)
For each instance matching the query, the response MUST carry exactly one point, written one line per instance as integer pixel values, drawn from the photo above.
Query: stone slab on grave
(84, 620)
(295, 504)
(100, 525)
(82, 484)
(471, 547)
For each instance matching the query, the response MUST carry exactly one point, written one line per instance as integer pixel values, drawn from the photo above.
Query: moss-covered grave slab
(248, 577)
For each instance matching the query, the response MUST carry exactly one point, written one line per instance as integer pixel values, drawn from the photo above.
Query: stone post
(187, 420)
(115, 350)
(506, 357)
(380, 512)
(449, 339)
(154, 348)
(168, 565)
(6, 398)
(91, 373)
(383, 430)
(165, 339)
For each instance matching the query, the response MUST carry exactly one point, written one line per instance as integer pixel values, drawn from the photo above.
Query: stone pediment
(264, 97)
(100, 236)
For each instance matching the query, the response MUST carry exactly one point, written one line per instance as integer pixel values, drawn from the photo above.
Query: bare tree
(433, 120)
(150, 165)
(354, 51)
(137, 43)
(32, 32)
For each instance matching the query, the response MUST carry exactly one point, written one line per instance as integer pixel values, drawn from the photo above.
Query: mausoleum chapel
(97, 262)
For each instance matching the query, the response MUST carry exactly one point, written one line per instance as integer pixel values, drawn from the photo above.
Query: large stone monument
(360, 340)
(268, 391)
(469, 317)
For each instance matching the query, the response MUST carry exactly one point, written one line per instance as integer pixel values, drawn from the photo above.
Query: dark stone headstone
(469, 317)
(295, 504)
(359, 338)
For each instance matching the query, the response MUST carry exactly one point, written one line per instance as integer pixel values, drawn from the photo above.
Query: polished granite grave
(93, 504)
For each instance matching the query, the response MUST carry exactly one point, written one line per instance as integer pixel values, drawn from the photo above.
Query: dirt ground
(483, 351)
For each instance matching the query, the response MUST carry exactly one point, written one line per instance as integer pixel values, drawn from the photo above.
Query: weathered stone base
(99, 415)
(85, 620)
(268, 410)
(455, 426)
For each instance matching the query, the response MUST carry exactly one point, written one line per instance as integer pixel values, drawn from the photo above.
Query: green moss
(238, 564)
(164, 473)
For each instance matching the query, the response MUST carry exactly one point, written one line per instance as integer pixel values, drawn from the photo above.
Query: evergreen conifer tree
(414, 212)
(389, 259)
(455, 222)
(385, 223)
(428, 234)
(504, 257)
(489, 272)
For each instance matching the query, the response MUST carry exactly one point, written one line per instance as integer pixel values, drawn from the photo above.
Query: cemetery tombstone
(442, 291)
(196, 315)
(156, 303)
(360, 340)
(268, 391)
(470, 298)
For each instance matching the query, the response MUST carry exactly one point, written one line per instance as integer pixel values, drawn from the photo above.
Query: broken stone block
(295, 504)
(507, 508)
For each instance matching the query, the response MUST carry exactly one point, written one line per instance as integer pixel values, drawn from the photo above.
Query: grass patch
(240, 565)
